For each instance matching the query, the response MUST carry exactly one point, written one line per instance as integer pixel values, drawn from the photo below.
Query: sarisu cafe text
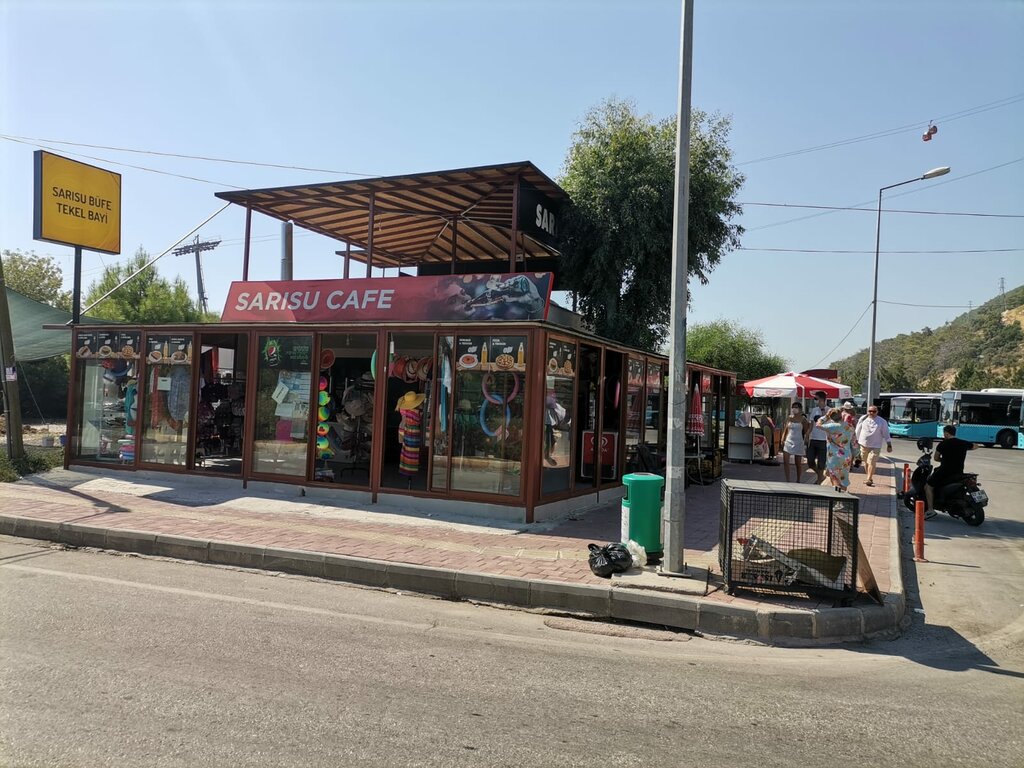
(368, 298)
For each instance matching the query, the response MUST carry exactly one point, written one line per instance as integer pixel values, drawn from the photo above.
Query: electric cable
(859, 206)
(951, 117)
(152, 261)
(822, 250)
(852, 329)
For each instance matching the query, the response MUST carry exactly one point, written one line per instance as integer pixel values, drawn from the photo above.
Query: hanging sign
(520, 296)
(538, 214)
(76, 204)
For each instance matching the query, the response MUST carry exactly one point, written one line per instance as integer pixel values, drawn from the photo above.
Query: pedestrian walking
(795, 432)
(840, 442)
(817, 447)
(872, 434)
(850, 418)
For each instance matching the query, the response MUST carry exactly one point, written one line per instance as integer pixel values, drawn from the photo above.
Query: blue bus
(990, 417)
(910, 414)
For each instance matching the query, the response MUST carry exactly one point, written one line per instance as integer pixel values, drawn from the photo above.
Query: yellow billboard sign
(76, 204)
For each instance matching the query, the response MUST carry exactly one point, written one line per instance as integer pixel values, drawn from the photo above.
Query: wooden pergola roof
(413, 215)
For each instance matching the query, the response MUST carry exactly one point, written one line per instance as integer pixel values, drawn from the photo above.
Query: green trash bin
(641, 512)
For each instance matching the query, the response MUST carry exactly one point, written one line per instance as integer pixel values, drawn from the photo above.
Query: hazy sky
(399, 87)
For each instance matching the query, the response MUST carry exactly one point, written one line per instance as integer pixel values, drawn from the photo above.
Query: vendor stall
(463, 388)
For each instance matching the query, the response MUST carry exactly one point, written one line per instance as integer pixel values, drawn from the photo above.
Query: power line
(930, 306)
(125, 165)
(859, 206)
(969, 112)
(837, 346)
(821, 250)
(187, 157)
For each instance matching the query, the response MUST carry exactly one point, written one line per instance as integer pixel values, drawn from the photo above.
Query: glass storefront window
(635, 404)
(220, 414)
(107, 383)
(611, 416)
(407, 410)
(283, 382)
(345, 415)
(490, 394)
(167, 400)
(445, 383)
(586, 414)
(653, 416)
(559, 401)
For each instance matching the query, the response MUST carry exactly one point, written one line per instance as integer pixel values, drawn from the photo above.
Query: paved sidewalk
(544, 565)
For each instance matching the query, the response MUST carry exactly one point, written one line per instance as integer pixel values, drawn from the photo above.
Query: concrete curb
(681, 612)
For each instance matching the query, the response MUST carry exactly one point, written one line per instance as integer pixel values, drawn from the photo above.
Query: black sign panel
(561, 358)
(538, 214)
(164, 349)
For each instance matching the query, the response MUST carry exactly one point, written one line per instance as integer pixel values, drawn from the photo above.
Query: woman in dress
(795, 432)
(840, 439)
(849, 415)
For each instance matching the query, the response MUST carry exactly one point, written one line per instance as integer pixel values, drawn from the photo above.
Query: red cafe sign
(520, 296)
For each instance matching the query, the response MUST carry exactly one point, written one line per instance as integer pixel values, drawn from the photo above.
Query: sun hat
(848, 406)
(410, 401)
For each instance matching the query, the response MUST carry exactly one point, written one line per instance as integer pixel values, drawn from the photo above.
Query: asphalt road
(122, 660)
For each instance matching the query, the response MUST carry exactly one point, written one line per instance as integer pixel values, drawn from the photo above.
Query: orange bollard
(906, 478)
(919, 533)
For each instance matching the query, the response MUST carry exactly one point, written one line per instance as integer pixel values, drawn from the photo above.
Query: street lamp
(934, 173)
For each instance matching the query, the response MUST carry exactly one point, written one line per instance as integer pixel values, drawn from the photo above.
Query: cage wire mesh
(776, 537)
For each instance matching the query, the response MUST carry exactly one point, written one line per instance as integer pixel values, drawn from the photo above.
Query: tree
(727, 345)
(146, 299)
(38, 277)
(616, 237)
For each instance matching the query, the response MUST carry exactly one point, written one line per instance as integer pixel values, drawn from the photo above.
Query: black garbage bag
(609, 559)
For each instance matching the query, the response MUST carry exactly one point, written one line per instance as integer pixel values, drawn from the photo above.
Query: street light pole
(935, 172)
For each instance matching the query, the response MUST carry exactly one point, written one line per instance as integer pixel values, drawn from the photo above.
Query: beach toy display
(323, 415)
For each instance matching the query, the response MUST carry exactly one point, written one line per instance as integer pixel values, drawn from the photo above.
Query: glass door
(284, 372)
(221, 398)
(167, 399)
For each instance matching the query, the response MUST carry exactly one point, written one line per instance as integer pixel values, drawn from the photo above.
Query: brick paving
(546, 552)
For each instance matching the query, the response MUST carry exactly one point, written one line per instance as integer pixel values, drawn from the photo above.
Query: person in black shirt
(950, 453)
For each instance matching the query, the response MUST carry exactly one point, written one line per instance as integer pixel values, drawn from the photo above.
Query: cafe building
(452, 384)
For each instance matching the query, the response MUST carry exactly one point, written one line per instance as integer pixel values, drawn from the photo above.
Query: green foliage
(980, 348)
(727, 345)
(616, 238)
(38, 277)
(35, 460)
(146, 299)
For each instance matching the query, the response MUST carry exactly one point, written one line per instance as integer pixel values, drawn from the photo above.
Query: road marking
(219, 597)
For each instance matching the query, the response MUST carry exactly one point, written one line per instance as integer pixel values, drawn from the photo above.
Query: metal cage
(788, 538)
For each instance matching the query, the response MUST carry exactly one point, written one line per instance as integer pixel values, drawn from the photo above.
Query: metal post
(874, 306)
(286, 250)
(455, 240)
(919, 532)
(674, 511)
(245, 252)
(348, 257)
(514, 234)
(76, 290)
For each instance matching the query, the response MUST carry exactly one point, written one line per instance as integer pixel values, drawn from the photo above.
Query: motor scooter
(960, 496)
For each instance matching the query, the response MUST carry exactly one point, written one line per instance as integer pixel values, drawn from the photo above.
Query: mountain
(980, 348)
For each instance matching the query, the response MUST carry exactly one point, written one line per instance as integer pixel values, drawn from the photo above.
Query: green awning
(31, 340)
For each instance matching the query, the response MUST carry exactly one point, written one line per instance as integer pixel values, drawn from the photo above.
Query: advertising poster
(165, 349)
(438, 298)
(561, 358)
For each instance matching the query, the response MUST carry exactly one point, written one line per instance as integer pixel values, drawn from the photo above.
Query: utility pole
(674, 512)
(12, 400)
(197, 246)
(1002, 291)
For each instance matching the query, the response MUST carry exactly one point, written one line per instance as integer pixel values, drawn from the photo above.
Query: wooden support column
(455, 240)
(515, 226)
(369, 237)
(348, 258)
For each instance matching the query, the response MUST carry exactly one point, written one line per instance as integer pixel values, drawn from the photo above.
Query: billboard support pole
(76, 289)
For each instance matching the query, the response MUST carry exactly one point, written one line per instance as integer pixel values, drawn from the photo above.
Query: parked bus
(910, 414)
(988, 417)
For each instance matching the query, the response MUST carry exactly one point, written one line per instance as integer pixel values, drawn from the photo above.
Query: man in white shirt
(872, 433)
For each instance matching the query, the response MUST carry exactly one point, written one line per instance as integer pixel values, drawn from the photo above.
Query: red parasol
(695, 417)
